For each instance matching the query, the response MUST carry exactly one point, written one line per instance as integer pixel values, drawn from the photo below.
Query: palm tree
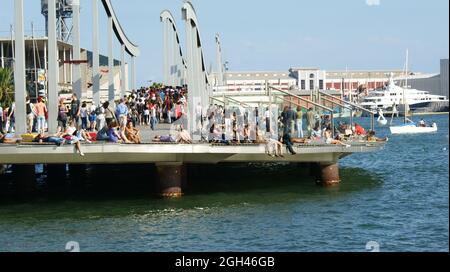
(6, 86)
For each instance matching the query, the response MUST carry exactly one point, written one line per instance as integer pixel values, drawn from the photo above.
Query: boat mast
(404, 89)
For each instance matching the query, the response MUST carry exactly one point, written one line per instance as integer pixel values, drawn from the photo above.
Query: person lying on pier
(132, 133)
(42, 138)
(164, 139)
(328, 135)
(300, 140)
(373, 139)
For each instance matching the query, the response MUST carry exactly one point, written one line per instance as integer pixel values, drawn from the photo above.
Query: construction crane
(64, 13)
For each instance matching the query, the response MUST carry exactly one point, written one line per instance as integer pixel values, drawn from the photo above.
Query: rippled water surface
(398, 197)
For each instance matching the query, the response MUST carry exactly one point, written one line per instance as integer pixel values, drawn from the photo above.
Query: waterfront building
(36, 67)
(349, 84)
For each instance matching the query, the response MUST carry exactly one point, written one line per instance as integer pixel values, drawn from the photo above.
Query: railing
(372, 114)
(340, 105)
(309, 102)
(235, 101)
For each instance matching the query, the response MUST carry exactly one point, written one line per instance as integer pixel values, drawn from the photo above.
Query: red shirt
(360, 131)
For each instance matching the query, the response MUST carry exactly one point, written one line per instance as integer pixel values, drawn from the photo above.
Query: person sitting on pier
(132, 133)
(373, 139)
(71, 138)
(274, 148)
(102, 134)
(214, 134)
(2, 137)
(182, 136)
(328, 135)
(316, 133)
(122, 134)
(113, 134)
(247, 134)
(359, 130)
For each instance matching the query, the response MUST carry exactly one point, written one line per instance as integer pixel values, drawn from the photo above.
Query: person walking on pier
(109, 115)
(75, 108)
(30, 112)
(122, 113)
(153, 119)
(11, 119)
(311, 119)
(299, 122)
(292, 114)
(84, 116)
(62, 116)
(101, 120)
(288, 142)
(92, 118)
(41, 112)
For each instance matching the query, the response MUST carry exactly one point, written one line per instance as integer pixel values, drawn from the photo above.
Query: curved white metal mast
(220, 73)
(174, 66)
(197, 77)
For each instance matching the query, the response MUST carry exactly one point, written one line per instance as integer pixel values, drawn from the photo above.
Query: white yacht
(391, 96)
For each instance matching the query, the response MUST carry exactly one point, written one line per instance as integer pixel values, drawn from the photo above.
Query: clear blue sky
(277, 35)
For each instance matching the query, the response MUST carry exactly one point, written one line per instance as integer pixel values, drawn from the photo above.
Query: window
(311, 84)
(311, 76)
(321, 84)
(303, 83)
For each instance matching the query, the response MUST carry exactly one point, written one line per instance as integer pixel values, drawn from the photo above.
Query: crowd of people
(79, 122)
(148, 107)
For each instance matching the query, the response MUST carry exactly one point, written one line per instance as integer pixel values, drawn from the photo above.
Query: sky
(259, 35)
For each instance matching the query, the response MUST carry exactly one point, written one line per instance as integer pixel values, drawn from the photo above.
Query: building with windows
(254, 81)
(37, 62)
(307, 79)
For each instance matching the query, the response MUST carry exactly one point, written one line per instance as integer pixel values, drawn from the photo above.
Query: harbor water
(397, 198)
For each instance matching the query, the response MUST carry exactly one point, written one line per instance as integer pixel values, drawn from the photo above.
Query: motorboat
(412, 128)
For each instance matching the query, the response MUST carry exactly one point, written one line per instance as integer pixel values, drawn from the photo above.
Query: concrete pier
(328, 174)
(25, 177)
(171, 178)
